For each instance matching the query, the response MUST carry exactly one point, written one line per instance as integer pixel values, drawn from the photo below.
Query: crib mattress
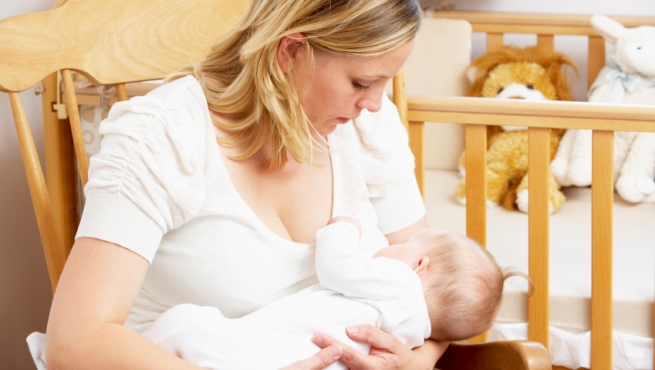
(570, 256)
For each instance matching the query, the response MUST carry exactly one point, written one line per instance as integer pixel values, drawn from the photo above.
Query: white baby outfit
(160, 188)
(353, 289)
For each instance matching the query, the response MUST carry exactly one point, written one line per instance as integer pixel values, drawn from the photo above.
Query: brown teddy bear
(532, 73)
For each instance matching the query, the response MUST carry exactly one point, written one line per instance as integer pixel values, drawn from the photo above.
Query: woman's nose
(372, 101)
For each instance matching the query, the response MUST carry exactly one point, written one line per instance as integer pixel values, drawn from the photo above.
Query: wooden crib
(476, 113)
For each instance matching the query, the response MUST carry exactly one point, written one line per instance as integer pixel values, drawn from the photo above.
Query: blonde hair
(466, 289)
(259, 97)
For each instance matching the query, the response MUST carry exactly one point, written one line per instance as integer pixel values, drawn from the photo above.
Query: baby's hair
(467, 286)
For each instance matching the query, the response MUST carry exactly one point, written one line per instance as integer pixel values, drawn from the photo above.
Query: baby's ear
(422, 265)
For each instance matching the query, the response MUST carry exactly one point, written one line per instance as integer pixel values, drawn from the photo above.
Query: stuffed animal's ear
(610, 29)
(473, 74)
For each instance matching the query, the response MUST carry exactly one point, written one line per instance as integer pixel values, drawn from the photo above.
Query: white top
(159, 187)
(376, 291)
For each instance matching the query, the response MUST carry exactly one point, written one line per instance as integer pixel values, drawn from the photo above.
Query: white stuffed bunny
(628, 78)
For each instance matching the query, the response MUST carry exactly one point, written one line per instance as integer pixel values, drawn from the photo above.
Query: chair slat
(538, 233)
(76, 127)
(121, 91)
(54, 256)
(61, 175)
(602, 193)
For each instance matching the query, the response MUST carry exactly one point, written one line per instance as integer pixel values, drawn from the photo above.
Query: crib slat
(400, 97)
(417, 145)
(601, 249)
(494, 41)
(476, 190)
(54, 253)
(476, 186)
(76, 126)
(538, 232)
(547, 41)
(595, 58)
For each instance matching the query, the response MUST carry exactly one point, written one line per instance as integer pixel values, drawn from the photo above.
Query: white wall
(24, 285)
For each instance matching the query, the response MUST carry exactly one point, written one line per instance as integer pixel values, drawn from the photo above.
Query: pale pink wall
(25, 293)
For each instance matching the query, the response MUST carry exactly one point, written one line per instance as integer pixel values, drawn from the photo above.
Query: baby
(437, 285)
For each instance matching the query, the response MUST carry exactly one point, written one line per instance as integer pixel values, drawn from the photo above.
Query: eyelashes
(359, 86)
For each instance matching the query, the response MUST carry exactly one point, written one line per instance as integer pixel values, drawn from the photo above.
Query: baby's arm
(386, 284)
(343, 266)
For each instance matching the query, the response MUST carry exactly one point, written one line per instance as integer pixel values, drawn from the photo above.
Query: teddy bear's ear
(610, 29)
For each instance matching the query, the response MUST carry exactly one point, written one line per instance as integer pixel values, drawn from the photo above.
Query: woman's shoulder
(179, 97)
(174, 114)
(185, 88)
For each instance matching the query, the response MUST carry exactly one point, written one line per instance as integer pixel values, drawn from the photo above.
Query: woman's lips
(343, 120)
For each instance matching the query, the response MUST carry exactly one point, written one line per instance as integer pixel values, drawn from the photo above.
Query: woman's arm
(401, 236)
(95, 293)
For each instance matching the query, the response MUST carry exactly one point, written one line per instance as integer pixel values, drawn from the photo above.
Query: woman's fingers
(354, 359)
(377, 338)
(319, 361)
(387, 352)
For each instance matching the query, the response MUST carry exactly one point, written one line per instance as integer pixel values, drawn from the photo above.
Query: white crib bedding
(570, 267)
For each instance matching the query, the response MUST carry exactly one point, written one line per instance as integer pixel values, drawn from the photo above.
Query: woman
(210, 189)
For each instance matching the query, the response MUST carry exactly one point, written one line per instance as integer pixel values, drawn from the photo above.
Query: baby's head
(462, 282)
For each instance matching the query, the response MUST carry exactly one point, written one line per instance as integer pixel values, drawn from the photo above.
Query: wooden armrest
(506, 355)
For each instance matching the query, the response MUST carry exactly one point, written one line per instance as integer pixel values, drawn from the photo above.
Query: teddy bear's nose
(516, 97)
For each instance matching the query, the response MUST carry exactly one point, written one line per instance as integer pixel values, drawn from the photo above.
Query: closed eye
(530, 87)
(359, 86)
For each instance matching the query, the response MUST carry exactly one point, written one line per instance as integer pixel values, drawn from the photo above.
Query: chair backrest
(109, 42)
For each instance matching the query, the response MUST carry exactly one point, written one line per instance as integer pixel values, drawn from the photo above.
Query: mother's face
(339, 87)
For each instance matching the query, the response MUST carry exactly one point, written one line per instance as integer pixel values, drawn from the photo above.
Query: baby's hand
(353, 221)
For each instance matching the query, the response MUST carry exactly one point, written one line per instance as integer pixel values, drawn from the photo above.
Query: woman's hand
(387, 352)
(322, 359)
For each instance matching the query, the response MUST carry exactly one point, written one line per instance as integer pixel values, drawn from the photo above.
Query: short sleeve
(389, 168)
(149, 176)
